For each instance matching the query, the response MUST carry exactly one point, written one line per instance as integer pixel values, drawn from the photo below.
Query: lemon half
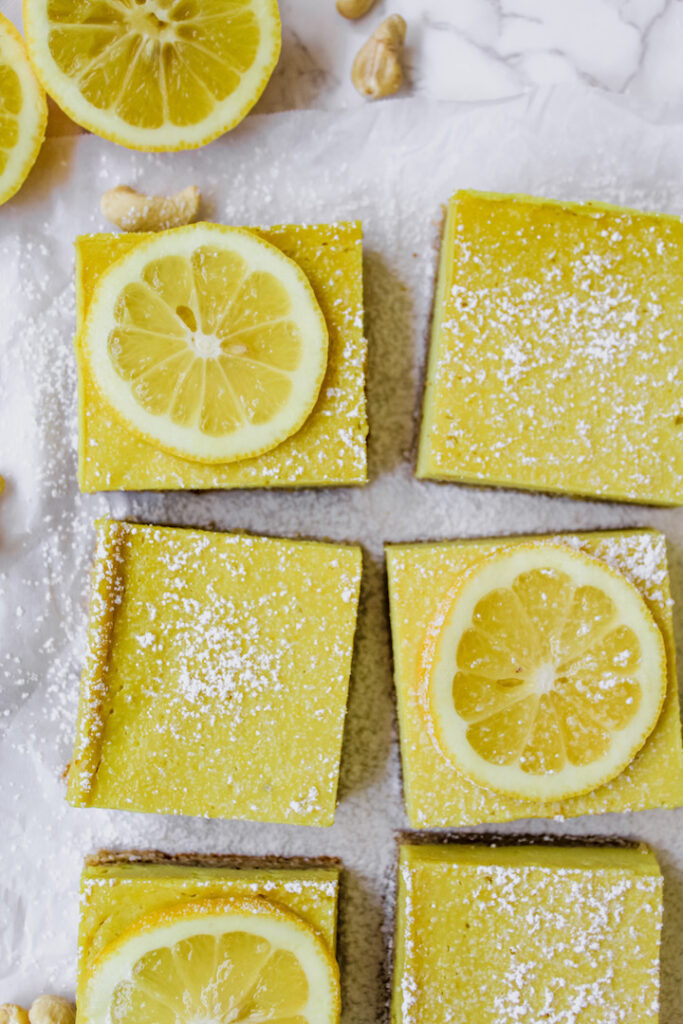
(23, 112)
(543, 672)
(232, 960)
(208, 342)
(154, 74)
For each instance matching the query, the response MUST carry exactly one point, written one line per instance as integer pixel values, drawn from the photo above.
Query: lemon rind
(24, 154)
(450, 739)
(226, 115)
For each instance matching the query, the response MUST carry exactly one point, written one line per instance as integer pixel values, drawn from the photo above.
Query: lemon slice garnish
(241, 959)
(154, 74)
(23, 112)
(544, 672)
(208, 342)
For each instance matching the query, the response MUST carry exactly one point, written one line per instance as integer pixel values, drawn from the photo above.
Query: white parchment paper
(392, 165)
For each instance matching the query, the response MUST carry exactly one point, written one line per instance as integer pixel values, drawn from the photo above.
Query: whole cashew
(52, 1010)
(10, 1013)
(133, 211)
(377, 68)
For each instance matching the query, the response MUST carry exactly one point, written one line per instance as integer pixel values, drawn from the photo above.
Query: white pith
(544, 678)
(205, 346)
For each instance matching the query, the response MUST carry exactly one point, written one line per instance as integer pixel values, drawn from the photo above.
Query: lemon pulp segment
(154, 74)
(208, 342)
(544, 672)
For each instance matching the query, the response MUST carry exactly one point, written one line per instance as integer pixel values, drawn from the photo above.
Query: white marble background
(484, 50)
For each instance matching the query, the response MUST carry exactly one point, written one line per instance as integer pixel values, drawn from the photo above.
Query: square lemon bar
(437, 794)
(557, 342)
(216, 674)
(118, 888)
(524, 934)
(330, 449)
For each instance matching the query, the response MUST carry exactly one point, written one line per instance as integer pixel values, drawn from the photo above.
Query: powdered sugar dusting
(574, 147)
(641, 557)
(558, 351)
(520, 943)
(224, 653)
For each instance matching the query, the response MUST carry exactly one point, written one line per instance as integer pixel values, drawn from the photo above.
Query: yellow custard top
(216, 674)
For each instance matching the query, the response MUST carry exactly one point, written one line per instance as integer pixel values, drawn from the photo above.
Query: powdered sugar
(392, 165)
(551, 315)
(555, 942)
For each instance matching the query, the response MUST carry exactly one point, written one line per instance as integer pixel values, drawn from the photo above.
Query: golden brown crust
(510, 839)
(208, 860)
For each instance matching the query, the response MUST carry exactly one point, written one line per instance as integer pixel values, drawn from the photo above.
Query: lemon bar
(524, 934)
(557, 340)
(216, 675)
(119, 888)
(330, 449)
(437, 794)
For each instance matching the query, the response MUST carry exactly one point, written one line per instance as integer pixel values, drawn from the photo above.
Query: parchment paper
(392, 165)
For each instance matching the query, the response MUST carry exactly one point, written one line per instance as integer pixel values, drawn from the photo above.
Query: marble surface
(485, 50)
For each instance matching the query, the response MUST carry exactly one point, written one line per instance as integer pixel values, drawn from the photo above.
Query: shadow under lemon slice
(543, 672)
(232, 959)
(208, 342)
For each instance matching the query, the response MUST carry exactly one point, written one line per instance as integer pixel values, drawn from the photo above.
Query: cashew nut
(354, 8)
(377, 68)
(133, 211)
(10, 1013)
(52, 1010)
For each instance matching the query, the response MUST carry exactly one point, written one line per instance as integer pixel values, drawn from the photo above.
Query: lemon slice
(215, 960)
(208, 342)
(544, 672)
(154, 74)
(23, 112)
